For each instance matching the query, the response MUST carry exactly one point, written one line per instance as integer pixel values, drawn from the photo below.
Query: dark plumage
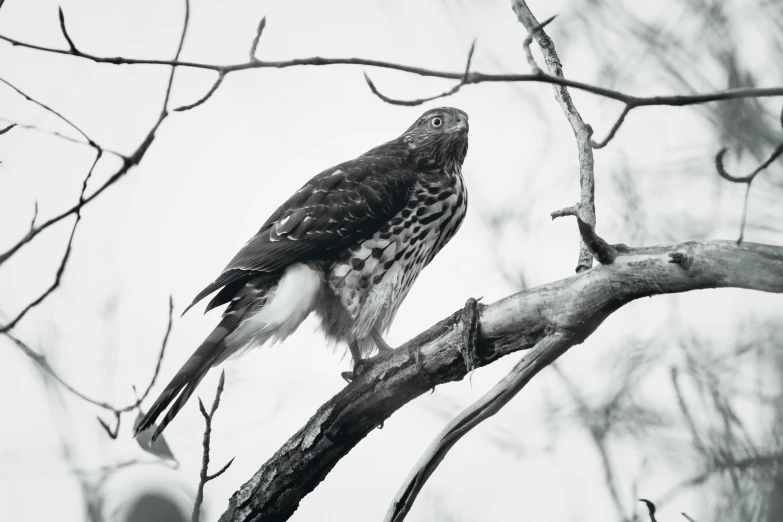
(348, 245)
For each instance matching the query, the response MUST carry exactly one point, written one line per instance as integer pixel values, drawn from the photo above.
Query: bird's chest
(372, 278)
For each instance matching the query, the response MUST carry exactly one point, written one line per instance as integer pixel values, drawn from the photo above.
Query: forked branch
(566, 312)
(204, 475)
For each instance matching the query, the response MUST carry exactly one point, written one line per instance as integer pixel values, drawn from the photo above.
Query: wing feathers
(334, 210)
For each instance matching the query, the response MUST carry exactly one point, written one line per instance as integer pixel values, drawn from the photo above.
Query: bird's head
(439, 137)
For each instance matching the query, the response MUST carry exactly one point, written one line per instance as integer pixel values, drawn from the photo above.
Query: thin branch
(156, 372)
(528, 41)
(42, 362)
(474, 77)
(748, 179)
(204, 476)
(568, 211)
(71, 46)
(59, 135)
(73, 210)
(204, 98)
(112, 433)
(52, 111)
(465, 80)
(128, 161)
(35, 215)
(650, 509)
(254, 43)
(776, 152)
(604, 142)
(517, 322)
(582, 131)
(543, 353)
(66, 256)
(3, 131)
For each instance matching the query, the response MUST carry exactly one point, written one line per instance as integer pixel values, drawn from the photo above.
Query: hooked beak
(461, 125)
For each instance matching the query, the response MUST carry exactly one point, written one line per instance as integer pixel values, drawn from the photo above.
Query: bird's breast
(372, 278)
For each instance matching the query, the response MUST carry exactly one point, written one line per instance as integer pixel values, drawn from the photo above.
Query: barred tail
(265, 308)
(211, 352)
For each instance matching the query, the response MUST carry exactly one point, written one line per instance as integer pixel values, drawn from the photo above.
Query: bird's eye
(436, 121)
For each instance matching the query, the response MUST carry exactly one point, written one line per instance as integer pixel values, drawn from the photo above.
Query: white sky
(215, 173)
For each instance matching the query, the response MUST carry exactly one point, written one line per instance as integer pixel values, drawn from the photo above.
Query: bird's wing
(334, 210)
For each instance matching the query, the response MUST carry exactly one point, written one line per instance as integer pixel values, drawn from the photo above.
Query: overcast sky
(214, 174)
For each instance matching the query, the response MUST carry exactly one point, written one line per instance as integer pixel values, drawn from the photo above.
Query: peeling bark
(568, 310)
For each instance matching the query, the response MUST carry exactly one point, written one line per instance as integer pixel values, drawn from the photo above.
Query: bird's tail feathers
(256, 315)
(184, 383)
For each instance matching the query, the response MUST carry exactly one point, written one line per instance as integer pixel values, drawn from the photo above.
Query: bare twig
(3, 131)
(473, 78)
(156, 372)
(620, 119)
(128, 162)
(527, 42)
(204, 476)
(68, 248)
(650, 508)
(112, 433)
(204, 98)
(542, 354)
(51, 111)
(57, 135)
(465, 80)
(42, 362)
(748, 179)
(254, 44)
(777, 151)
(71, 47)
(35, 215)
(582, 132)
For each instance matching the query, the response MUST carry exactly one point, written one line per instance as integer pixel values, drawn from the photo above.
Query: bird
(347, 246)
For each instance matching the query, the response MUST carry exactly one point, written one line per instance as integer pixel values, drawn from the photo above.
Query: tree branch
(204, 476)
(650, 509)
(748, 179)
(582, 132)
(43, 364)
(51, 111)
(465, 80)
(566, 312)
(549, 348)
(473, 78)
(66, 255)
(128, 161)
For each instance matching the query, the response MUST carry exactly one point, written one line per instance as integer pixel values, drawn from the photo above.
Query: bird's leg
(383, 346)
(358, 362)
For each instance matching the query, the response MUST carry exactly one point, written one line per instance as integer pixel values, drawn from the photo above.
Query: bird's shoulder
(364, 188)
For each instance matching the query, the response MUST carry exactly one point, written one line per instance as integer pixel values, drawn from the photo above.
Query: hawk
(348, 246)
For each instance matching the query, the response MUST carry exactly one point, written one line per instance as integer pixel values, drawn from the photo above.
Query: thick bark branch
(568, 310)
